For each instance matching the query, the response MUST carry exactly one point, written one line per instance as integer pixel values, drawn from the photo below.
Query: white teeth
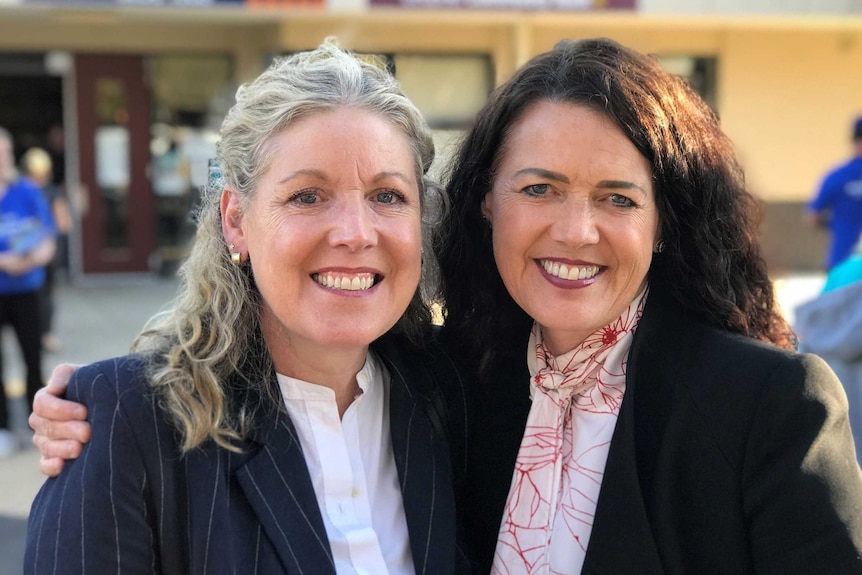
(349, 283)
(569, 272)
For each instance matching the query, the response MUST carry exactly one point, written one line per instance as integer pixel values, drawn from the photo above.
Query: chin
(353, 338)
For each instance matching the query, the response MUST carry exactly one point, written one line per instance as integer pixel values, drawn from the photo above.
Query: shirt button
(355, 492)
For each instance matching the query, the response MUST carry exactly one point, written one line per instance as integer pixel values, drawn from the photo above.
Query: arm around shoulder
(802, 485)
(93, 517)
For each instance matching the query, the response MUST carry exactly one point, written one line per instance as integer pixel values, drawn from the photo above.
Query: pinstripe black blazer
(132, 503)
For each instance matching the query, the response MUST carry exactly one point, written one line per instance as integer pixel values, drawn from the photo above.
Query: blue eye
(621, 201)
(537, 190)
(304, 197)
(389, 197)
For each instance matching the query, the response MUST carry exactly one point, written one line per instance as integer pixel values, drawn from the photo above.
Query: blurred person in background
(838, 204)
(26, 247)
(74, 197)
(830, 325)
(276, 420)
(37, 165)
(56, 147)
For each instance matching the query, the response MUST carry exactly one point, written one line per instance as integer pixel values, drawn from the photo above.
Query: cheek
(635, 255)
(510, 264)
(511, 240)
(407, 245)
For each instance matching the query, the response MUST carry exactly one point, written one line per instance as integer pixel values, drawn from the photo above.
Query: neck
(857, 148)
(330, 366)
(560, 342)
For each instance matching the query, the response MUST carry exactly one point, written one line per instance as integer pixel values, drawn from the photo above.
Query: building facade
(139, 89)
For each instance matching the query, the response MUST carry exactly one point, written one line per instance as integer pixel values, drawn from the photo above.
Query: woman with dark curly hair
(661, 423)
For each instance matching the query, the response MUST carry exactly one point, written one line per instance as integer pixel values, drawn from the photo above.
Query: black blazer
(729, 457)
(132, 503)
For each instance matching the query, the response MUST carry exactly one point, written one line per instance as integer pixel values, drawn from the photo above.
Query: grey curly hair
(212, 334)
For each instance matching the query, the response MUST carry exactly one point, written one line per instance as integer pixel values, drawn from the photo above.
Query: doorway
(32, 100)
(113, 110)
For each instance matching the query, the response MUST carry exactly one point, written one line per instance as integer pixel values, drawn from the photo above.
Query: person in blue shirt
(26, 247)
(838, 203)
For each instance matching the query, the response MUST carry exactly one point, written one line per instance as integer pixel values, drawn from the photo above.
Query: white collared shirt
(352, 468)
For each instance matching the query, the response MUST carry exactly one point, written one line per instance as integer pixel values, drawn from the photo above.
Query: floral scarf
(558, 473)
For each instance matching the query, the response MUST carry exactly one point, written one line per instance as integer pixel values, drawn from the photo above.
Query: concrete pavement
(93, 322)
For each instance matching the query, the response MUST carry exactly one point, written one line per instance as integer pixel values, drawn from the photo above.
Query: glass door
(117, 227)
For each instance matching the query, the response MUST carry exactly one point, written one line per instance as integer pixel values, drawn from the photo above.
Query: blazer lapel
(622, 539)
(500, 404)
(422, 460)
(277, 485)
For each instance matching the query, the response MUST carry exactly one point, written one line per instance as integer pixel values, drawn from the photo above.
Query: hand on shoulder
(60, 426)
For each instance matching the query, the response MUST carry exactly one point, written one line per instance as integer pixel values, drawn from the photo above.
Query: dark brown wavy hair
(711, 264)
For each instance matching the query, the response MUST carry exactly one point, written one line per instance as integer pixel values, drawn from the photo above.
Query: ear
(231, 219)
(487, 212)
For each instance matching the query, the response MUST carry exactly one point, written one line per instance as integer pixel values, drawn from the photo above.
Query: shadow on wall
(789, 245)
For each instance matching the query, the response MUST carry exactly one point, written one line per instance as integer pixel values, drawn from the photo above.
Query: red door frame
(140, 231)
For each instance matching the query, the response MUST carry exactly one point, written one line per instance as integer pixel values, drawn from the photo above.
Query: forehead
(551, 117)
(344, 147)
(341, 133)
(564, 133)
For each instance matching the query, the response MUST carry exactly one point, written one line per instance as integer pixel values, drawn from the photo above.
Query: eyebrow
(558, 177)
(322, 175)
(304, 172)
(397, 175)
(619, 185)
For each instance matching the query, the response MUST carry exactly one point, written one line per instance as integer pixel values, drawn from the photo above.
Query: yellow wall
(788, 100)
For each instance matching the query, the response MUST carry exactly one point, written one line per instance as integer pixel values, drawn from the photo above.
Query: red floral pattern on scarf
(558, 473)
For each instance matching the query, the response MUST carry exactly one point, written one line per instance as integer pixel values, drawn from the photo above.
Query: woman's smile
(345, 281)
(581, 274)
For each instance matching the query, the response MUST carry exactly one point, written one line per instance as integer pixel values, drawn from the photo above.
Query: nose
(354, 225)
(574, 223)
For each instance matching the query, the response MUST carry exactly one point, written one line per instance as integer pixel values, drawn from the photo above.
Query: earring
(659, 247)
(235, 257)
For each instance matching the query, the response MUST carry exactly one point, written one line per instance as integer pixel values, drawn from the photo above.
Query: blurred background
(128, 94)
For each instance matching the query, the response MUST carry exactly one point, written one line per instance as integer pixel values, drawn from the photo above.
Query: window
(700, 73)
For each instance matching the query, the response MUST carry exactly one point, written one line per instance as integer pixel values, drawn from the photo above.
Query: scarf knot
(575, 372)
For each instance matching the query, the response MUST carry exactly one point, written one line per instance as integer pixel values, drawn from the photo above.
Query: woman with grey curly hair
(267, 423)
